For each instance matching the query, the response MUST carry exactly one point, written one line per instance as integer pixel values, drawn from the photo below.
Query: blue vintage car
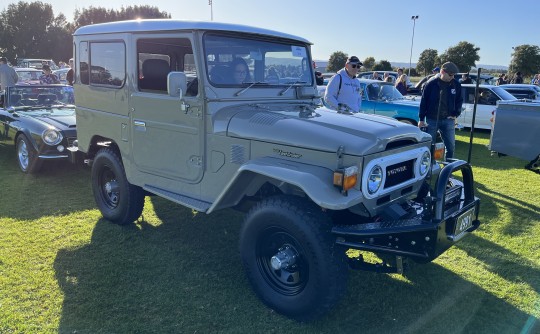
(382, 98)
(39, 120)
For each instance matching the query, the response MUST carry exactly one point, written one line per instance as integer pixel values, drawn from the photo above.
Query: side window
(108, 64)
(468, 95)
(159, 56)
(83, 63)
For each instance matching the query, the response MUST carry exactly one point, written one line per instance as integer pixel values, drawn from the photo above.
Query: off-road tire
(27, 156)
(117, 199)
(317, 280)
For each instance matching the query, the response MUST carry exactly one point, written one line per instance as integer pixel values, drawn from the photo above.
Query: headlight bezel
(52, 136)
(425, 163)
(376, 171)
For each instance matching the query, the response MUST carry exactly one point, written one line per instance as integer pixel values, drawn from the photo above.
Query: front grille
(399, 173)
(70, 141)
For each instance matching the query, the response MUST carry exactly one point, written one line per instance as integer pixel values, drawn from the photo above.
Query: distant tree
(525, 59)
(464, 55)
(427, 61)
(337, 61)
(383, 65)
(25, 29)
(368, 63)
(94, 15)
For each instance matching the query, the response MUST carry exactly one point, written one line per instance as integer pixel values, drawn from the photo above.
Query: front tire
(290, 258)
(27, 156)
(117, 199)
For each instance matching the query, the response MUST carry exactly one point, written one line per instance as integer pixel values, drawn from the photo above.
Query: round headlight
(374, 179)
(51, 137)
(425, 163)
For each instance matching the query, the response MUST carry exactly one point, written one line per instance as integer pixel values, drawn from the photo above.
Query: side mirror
(176, 84)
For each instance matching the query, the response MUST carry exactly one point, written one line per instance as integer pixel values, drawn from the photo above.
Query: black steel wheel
(117, 199)
(290, 257)
(27, 156)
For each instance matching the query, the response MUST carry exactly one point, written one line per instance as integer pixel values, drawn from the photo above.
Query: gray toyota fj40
(217, 116)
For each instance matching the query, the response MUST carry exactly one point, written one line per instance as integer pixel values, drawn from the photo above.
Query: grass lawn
(64, 269)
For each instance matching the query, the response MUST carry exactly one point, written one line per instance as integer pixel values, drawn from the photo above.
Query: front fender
(29, 135)
(315, 182)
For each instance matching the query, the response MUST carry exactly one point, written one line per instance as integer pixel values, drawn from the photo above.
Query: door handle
(139, 123)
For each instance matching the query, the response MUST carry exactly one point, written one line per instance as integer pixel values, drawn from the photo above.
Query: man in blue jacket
(441, 105)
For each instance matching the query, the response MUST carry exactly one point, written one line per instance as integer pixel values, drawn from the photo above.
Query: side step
(190, 202)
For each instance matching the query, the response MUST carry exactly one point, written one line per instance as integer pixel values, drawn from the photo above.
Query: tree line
(30, 29)
(525, 59)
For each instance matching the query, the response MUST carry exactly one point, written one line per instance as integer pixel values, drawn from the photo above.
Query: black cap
(354, 60)
(450, 68)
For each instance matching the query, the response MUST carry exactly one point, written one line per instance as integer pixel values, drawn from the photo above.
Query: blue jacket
(429, 104)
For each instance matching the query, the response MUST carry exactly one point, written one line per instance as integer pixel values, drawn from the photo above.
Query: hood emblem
(396, 170)
(287, 154)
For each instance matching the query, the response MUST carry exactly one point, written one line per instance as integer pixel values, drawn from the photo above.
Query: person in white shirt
(343, 91)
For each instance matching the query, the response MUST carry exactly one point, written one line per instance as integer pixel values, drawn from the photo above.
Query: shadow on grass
(183, 275)
(522, 211)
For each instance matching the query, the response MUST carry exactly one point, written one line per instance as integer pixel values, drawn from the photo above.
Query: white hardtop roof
(175, 25)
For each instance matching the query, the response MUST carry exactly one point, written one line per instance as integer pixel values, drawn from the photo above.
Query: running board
(190, 202)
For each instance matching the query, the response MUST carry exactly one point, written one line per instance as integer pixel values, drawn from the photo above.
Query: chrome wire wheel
(22, 153)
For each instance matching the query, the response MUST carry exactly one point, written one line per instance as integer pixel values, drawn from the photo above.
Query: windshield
(382, 92)
(25, 76)
(33, 96)
(239, 62)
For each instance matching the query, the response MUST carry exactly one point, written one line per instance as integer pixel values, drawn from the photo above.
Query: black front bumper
(425, 235)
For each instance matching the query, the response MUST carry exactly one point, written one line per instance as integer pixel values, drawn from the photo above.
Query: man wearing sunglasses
(343, 90)
(441, 105)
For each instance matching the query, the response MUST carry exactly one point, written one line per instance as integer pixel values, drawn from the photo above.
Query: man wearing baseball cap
(343, 90)
(441, 105)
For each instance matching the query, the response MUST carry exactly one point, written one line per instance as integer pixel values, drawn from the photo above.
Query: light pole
(211, 10)
(414, 18)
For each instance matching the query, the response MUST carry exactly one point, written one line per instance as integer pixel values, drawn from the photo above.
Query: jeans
(448, 133)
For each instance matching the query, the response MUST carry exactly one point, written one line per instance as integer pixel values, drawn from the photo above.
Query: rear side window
(108, 64)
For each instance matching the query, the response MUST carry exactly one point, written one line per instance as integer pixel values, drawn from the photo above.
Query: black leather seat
(154, 73)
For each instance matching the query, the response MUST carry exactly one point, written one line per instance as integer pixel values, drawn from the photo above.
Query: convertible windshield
(383, 92)
(37, 96)
(240, 62)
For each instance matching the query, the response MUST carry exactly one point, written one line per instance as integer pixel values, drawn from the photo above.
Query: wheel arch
(28, 135)
(289, 177)
(98, 142)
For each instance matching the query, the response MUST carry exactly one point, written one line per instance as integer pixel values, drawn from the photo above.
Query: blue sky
(382, 29)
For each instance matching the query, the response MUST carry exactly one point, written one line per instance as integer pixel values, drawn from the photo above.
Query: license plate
(464, 222)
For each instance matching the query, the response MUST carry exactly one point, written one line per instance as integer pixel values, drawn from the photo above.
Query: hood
(61, 118)
(321, 129)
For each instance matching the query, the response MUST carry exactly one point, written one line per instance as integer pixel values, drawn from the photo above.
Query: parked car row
(382, 98)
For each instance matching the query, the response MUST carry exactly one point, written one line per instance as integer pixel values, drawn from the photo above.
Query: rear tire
(117, 199)
(313, 276)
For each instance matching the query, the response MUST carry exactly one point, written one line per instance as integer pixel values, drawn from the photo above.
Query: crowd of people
(9, 77)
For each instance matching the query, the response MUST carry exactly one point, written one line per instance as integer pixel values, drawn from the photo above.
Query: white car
(488, 96)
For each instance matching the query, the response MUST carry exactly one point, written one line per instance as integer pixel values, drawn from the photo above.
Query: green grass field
(64, 269)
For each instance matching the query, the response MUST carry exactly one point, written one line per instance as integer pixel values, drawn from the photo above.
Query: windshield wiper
(290, 86)
(248, 87)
